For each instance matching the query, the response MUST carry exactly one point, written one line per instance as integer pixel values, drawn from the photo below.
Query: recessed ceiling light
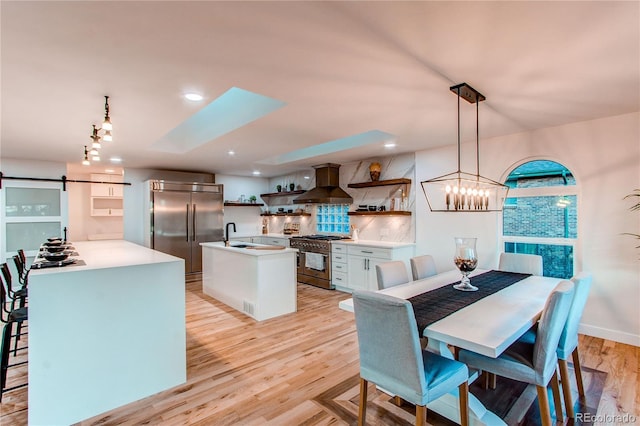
(390, 145)
(231, 152)
(306, 177)
(256, 172)
(115, 160)
(193, 96)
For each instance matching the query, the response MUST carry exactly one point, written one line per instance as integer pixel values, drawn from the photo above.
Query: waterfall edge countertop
(109, 254)
(104, 334)
(259, 283)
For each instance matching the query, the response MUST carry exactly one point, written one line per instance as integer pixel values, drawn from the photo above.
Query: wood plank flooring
(298, 369)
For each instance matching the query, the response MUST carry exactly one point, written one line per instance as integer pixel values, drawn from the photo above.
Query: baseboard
(606, 333)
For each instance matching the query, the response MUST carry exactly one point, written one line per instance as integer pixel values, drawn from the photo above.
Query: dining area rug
(515, 402)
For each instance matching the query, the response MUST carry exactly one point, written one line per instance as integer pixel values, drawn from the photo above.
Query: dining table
(485, 324)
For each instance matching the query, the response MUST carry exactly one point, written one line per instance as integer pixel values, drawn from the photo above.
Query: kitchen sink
(241, 245)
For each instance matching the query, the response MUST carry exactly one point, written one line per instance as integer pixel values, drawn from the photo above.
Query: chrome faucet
(226, 232)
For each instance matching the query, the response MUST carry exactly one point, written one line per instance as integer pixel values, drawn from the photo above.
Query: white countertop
(219, 245)
(374, 243)
(363, 243)
(110, 254)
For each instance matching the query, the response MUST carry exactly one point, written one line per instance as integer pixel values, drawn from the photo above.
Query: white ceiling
(342, 68)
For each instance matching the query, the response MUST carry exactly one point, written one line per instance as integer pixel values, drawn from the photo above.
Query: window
(540, 215)
(31, 213)
(333, 218)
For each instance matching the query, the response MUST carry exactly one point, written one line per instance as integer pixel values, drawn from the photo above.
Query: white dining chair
(423, 266)
(536, 362)
(521, 263)
(391, 273)
(568, 344)
(391, 357)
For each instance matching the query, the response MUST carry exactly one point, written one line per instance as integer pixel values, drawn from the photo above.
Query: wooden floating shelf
(285, 214)
(401, 181)
(283, 193)
(243, 204)
(385, 213)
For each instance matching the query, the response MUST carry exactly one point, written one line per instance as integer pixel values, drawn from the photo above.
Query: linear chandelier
(97, 137)
(460, 191)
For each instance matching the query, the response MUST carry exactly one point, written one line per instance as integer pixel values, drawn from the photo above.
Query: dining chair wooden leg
(566, 387)
(543, 402)
(463, 396)
(362, 409)
(421, 415)
(492, 380)
(485, 380)
(557, 401)
(578, 371)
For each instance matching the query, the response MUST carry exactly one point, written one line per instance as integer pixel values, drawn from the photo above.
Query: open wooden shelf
(385, 213)
(401, 181)
(283, 193)
(243, 204)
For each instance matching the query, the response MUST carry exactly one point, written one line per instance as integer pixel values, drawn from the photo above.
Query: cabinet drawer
(338, 258)
(339, 267)
(339, 278)
(338, 248)
(380, 253)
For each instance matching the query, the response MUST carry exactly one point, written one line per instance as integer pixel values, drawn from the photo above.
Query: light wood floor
(280, 371)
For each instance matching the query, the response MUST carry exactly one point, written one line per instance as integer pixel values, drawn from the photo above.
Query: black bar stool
(8, 317)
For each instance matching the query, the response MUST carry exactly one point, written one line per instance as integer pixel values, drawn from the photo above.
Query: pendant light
(85, 161)
(460, 191)
(96, 137)
(106, 124)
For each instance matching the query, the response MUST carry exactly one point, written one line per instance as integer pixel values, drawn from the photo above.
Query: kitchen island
(106, 333)
(258, 280)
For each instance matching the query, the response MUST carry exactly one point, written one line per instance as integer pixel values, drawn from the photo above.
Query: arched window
(540, 215)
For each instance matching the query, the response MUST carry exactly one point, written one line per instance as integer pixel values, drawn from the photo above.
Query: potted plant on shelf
(252, 199)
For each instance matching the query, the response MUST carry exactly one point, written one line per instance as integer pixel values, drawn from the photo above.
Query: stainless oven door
(316, 272)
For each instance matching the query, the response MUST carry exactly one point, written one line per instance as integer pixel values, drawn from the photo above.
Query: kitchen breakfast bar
(106, 333)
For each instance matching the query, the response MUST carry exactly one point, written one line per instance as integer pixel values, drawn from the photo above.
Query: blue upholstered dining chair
(534, 363)
(423, 266)
(521, 263)
(391, 274)
(568, 344)
(391, 357)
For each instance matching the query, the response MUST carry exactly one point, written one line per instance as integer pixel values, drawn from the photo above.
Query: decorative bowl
(55, 257)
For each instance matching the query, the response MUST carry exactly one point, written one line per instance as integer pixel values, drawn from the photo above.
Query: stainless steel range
(314, 259)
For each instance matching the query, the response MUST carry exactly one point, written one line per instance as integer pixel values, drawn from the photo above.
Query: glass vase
(466, 260)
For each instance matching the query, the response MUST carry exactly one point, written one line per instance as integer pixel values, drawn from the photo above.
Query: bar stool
(8, 317)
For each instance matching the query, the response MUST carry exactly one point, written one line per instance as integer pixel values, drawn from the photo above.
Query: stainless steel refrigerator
(183, 215)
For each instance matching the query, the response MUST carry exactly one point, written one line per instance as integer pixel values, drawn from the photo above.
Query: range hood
(327, 190)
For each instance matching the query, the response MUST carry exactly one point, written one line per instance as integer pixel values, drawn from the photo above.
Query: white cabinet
(108, 189)
(339, 267)
(106, 198)
(361, 261)
(274, 241)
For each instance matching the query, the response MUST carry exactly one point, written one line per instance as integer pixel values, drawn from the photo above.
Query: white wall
(247, 219)
(81, 223)
(604, 156)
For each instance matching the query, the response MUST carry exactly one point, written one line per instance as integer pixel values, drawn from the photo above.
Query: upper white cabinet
(106, 198)
(107, 189)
